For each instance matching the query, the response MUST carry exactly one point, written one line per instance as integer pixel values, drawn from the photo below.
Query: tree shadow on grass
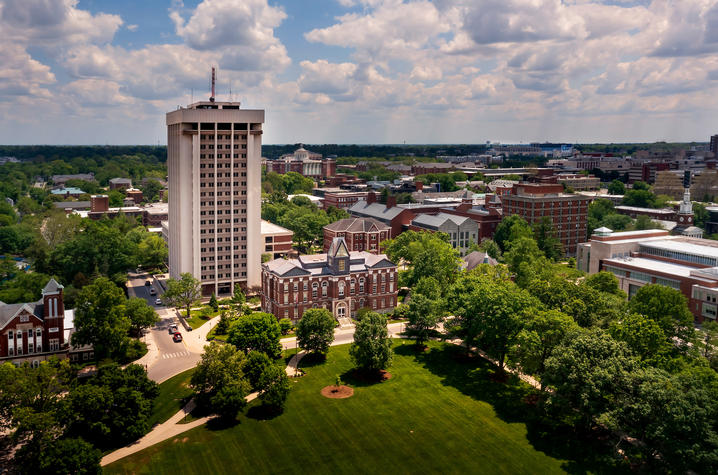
(312, 359)
(263, 412)
(358, 378)
(222, 423)
(515, 402)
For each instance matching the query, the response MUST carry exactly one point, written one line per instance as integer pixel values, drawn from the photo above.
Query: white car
(158, 301)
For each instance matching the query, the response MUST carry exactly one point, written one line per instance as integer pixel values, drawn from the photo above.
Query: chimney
(419, 185)
(371, 198)
(390, 202)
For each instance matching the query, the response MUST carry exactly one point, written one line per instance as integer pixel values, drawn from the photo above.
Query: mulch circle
(385, 375)
(334, 392)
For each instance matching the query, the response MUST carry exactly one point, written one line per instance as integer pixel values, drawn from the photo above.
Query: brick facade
(341, 281)
(360, 234)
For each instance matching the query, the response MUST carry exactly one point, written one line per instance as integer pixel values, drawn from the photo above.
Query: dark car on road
(148, 283)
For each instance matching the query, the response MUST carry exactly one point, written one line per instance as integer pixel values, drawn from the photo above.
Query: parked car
(158, 301)
(148, 283)
(173, 329)
(177, 337)
(153, 291)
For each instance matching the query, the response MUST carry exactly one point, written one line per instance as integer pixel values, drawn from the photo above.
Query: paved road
(170, 358)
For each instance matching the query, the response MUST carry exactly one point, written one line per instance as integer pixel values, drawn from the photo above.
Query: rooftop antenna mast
(214, 78)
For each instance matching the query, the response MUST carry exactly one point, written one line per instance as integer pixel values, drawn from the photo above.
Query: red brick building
(343, 199)
(35, 331)
(341, 281)
(360, 234)
(277, 240)
(568, 212)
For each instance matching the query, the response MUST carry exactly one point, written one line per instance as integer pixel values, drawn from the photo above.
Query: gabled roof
(9, 311)
(474, 259)
(435, 221)
(338, 248)
(356, 225)
(375, 210)
(51, 286)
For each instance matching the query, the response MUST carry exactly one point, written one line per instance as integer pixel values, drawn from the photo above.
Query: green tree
(668, 307)
(371, 350)
(285, 325)
(23, 286)
(547, 239)
(257, 332)
(643, 336)
(674, 418)
(140, 314)
(214, 305)
(587, 373)
(616, 187)
(315, 331)
(113, 408)
(604, 282)
(294, 182)
(184, 292)
(64, 456)
(219, 382)
(255, 365)
(424, 315)
(510, 229)
(116, 198)
(274, 387)
(100, 318)
(543, 331)
(151, 190)
(428, 287)
(238, 297)
(426, 254)
(524, 258)
(709, 338)
(641, 186)
(644, 222)
(152, 251)
(490, 247)
(489, 313)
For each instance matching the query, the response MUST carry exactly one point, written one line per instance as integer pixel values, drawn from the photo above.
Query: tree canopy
(371, 350)
(258, 331)
(315, 330)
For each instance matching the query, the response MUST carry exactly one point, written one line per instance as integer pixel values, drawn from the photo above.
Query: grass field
(173, 393)
(439, 413)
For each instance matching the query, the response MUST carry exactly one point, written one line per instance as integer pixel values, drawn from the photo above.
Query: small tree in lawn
(371, 350)
(183, 292)
(259, 332)
(285, 325)
(223, 325)
(424, 315)
(238, 297)
(274, 387)
(219, 382)
(315, 331)
(213, 302)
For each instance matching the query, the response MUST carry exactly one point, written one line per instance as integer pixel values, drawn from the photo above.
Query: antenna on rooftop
(214, 78)
(231, 99)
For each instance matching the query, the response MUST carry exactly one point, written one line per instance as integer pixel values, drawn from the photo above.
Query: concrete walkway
(162, 432)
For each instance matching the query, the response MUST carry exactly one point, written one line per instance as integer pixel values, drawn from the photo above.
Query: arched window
(325, 285)
(341, 288)
(361, 285)
(315, 287)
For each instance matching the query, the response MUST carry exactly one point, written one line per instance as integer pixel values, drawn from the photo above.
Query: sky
(363, 71)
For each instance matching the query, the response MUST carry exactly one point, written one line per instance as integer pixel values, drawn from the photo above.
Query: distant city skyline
(363, 71)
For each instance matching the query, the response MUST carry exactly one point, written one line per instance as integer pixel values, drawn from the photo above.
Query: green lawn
(199, 317)
(173, 394)
(439, 413)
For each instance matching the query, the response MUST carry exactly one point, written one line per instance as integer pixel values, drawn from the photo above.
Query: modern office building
(714, 144)
(214, 166)
(653, 256)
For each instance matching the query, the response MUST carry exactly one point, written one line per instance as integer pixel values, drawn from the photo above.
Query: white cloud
(54, 23)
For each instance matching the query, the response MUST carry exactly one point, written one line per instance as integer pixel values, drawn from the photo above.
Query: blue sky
(364, 71)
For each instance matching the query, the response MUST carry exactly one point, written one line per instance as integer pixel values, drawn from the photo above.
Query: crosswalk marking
(175, 355)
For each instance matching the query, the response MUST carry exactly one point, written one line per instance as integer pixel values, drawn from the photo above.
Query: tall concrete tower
(214, 163)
